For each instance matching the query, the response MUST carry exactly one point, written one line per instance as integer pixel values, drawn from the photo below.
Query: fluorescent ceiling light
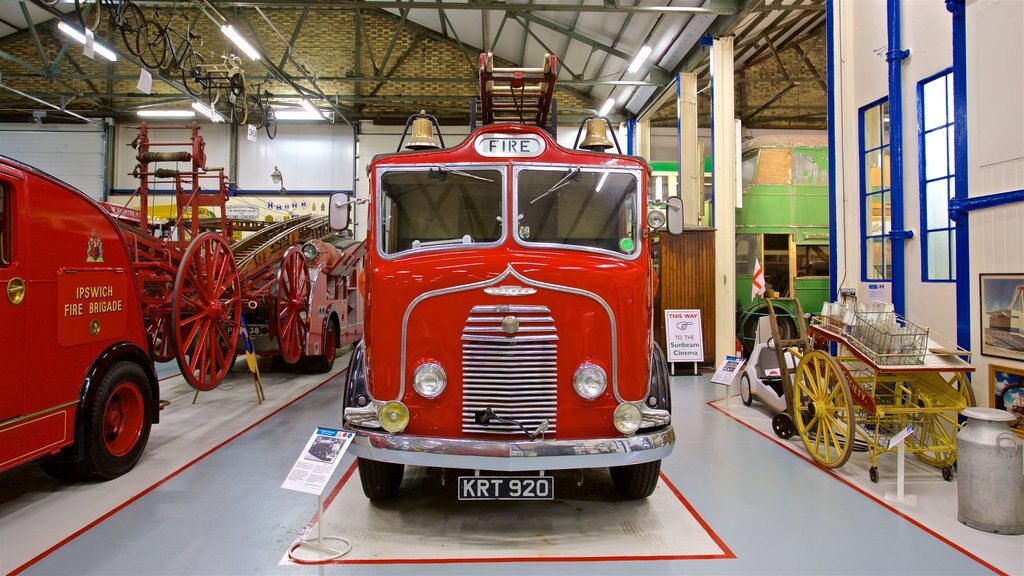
(640, 58)
(166, 113)
(296, 115)
(600, 183)
(207, 111)
(80, 38)
(312, 110)
(607, 107)
(240, 41)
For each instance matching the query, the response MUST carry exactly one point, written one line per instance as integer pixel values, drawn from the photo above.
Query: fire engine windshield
(579, 207)
(437, 206)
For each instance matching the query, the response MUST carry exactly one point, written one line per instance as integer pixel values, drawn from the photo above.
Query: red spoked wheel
(160, 340)
(206, 311)
(293, 288)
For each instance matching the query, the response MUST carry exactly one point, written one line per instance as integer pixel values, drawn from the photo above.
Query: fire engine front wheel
(117, 422)
(636, 481)
(380, 480)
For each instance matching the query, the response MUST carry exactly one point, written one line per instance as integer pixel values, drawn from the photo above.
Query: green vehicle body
(783, 224)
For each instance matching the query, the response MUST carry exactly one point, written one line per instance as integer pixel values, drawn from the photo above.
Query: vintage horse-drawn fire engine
(510, 294)
(77, 384)
(294, 279)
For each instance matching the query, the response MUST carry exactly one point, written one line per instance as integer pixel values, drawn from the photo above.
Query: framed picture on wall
(1002, 315)
(1006, 387)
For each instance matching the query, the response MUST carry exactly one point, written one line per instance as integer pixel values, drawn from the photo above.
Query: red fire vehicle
(77, 386)
(509, 290)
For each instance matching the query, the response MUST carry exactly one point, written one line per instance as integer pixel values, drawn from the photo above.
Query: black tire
(782, 425)
(745, 392)
(193, 75)
(117, 417)
(134, 30)
(636, 481)
(325, 362)
(380, 480)
(154, 54)
(270, 119)
(89, 13)
(252, 102)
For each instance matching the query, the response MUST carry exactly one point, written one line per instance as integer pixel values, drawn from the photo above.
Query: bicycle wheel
(193, 74)
(271, 122)
(89, 13)
(239, 111)
(236, 87)
(134, 30)
(255, 108)
(155, 52)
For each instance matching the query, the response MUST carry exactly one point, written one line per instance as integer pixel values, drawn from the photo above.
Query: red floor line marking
(124, 504)
(169, 377)
(871, 496)
(726, 552)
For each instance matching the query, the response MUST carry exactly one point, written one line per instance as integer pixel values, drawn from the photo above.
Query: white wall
(996, 149)
(217, 149)
(310, 156)
(73, 153)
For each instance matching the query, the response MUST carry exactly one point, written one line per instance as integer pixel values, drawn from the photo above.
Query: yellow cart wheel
(939, 430)
(823, 408)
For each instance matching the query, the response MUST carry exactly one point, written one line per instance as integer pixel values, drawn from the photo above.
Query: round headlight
(429, 380)
(656, 219)
(394, 417)
(627, 418)
(310, 251)
(589, 381)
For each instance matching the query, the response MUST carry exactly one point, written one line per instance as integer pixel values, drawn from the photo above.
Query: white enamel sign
(509, 146)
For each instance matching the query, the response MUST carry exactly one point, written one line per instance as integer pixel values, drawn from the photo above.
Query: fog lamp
(589, 381)
(627, 418)
(429, 380)
(394, 417)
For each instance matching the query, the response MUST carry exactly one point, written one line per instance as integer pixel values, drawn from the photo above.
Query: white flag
(757, 285)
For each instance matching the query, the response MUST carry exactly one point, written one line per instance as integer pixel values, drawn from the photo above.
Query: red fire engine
(508, 323)
(77, 386)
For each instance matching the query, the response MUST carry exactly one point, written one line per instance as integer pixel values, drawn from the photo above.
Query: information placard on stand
(727, 372)
(684, 339)
(311, 473)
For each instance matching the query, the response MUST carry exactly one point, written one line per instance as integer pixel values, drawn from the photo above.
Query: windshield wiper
(560, 184)
(442, 173)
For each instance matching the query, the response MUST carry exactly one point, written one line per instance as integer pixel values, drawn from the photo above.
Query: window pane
(938, 255)
(935, 103)
(749, 166)
(886, 213)
(875, 258)
(952, 150)
(873, 171)
(886, 169)
(873, 215)
(935, 155)
(952, 254)
(872, 127)
(885, 123)
(812, 260)
(937, 204)
(950, 117)
(747, 251)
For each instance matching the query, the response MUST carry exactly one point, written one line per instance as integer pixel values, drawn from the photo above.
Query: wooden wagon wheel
(939, 431)
(823, 407)
(293, 288)
(206, 311)
(160, 340)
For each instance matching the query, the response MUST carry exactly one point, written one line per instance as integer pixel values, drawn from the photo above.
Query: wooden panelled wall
(687, 269)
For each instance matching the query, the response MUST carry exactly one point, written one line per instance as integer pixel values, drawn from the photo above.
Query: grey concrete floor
(777, 513)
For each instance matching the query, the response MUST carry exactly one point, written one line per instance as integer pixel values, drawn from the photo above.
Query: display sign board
(900, 436)
(727, 372)
(509, 145)
(319, 459)
(684, 338)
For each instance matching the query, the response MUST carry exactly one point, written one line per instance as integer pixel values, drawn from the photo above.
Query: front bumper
(513, 455)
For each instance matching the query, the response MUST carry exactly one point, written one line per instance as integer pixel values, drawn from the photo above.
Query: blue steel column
(630, 135)
(963, 236)
(833, 257)
(897, 235)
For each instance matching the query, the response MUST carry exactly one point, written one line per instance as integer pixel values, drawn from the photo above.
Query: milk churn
(990, 473)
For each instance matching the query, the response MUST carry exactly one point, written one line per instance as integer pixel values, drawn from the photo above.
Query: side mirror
(338, 211)
(674, 214)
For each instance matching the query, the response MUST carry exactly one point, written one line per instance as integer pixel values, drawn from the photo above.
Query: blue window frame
(875, 192)
(936, 167)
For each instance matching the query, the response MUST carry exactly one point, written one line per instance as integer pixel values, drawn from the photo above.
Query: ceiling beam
(717, 7)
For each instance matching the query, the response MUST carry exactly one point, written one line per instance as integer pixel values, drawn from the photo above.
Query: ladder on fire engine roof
(516, 95)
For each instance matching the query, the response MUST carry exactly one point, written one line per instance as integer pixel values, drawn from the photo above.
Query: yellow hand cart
(886, 375)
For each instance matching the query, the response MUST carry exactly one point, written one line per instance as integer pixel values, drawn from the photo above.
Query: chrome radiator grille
(515, 375)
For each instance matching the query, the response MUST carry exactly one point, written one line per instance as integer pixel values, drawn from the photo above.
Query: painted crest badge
(94, 249)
